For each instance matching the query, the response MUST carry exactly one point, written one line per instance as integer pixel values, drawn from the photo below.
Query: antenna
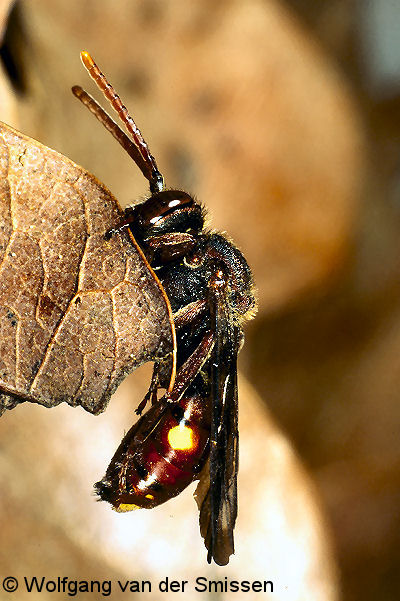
(113, 128)
(135, 145)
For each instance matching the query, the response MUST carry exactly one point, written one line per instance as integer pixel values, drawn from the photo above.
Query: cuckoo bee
(191, 432)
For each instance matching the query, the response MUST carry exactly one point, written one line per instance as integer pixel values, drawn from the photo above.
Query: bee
(191, 431)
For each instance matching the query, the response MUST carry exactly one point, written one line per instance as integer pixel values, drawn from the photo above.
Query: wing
(78, 312)
(217, 499)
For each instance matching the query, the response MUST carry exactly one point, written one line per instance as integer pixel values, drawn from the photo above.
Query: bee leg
(168, 247)
(115, 230)
(190, 313)
(142, 404)
(191, 367)
(152, 392)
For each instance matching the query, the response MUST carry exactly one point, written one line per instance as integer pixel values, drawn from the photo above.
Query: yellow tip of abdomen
(123, 507)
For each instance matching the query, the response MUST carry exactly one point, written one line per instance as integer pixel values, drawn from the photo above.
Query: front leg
(169, 247)
(191, 367)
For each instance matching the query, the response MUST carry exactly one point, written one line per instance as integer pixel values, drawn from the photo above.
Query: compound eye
(168, 202)
(166, 212)
(161, 205)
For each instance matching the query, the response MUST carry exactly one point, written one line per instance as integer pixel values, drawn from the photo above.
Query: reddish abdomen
(159, 456)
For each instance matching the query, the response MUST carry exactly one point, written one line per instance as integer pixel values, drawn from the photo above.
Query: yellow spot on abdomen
(181, 438)
(122, 507)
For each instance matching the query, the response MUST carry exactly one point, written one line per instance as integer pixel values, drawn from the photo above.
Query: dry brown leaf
(78, 311)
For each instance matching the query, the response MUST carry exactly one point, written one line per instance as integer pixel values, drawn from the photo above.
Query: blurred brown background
(283, 118)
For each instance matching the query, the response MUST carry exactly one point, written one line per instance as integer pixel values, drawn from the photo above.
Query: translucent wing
(216, 494)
